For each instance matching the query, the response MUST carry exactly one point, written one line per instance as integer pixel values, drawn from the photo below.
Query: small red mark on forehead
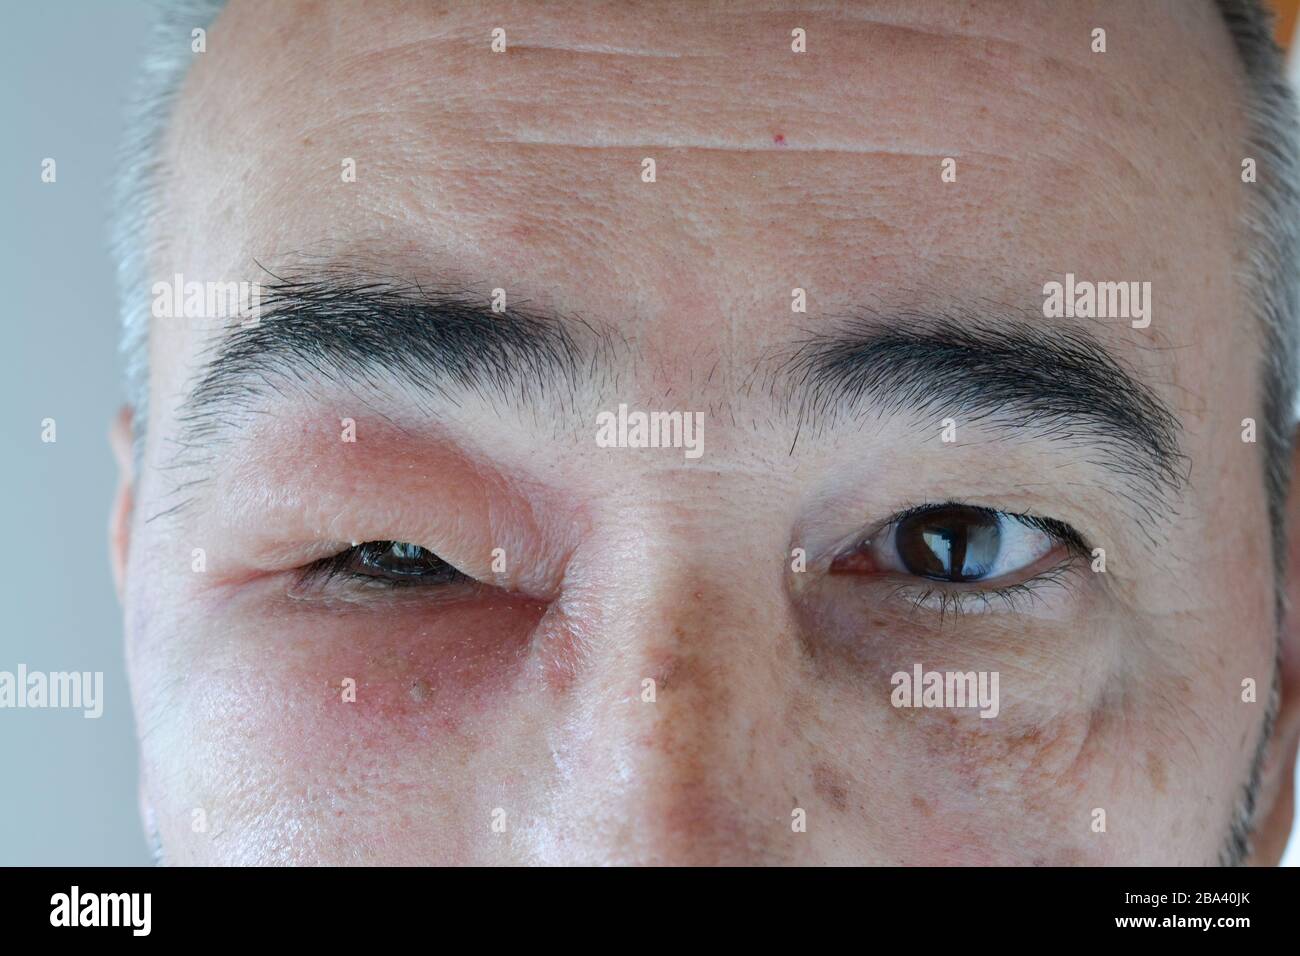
(779, 139)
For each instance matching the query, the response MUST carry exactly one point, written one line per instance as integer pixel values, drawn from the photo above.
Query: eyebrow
(363, 331)
(990, 368)
(999, 370)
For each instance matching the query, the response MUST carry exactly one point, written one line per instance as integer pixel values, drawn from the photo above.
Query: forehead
(773, 169)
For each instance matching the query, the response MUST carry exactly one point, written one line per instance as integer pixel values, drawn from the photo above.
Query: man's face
(688, 654)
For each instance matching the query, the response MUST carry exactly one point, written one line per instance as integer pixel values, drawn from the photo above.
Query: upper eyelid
(1058, 530)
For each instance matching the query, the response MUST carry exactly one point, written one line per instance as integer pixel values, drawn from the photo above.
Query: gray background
(67, 784)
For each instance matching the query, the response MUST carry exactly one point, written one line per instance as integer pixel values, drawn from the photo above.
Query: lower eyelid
(972, 598)
(361, 593)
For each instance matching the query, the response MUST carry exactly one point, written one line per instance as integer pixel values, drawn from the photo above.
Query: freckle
(922, 807)
(1030, 737)
(779, 139)
(663, 673)
(830, 785)
(1156, 770)
(421, 691)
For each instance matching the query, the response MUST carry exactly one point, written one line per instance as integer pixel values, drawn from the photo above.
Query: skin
(521, 170)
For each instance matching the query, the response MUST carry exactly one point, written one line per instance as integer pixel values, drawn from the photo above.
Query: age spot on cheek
(832, 786)
(421, 690)
(982, 751)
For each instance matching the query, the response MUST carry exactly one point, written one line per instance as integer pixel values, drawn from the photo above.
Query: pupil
(949, 544)
(405, 552)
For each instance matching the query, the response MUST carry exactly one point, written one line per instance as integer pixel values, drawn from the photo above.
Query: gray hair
(1271, 225)
(1271, 228)
(137, 205)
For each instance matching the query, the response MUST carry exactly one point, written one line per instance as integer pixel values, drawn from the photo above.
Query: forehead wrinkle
(464, 145)
(601, 51)
(804, 100)
(549, 67)
(756, 146)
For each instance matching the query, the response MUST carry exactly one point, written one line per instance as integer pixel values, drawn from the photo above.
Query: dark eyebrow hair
(365, 330)
(1011, 372)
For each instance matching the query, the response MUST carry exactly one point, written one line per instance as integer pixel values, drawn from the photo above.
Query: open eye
(958, 544)
(389, 562)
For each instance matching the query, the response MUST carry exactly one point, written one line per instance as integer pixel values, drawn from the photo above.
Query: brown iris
(949, 543)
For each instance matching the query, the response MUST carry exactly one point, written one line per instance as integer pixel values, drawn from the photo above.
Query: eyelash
(943, 599)
(956, 600)
(1058, 530)
(338, 566)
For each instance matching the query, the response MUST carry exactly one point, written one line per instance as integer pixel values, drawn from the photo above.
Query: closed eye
(386, 563)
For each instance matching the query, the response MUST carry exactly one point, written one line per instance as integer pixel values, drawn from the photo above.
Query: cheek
(413, 668)
(312, 734)
(1117, 779)
(1017, 792)
(416, 669)
(1084, 726)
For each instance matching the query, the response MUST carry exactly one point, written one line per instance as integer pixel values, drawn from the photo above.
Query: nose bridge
(686, 654)
(684, 595)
